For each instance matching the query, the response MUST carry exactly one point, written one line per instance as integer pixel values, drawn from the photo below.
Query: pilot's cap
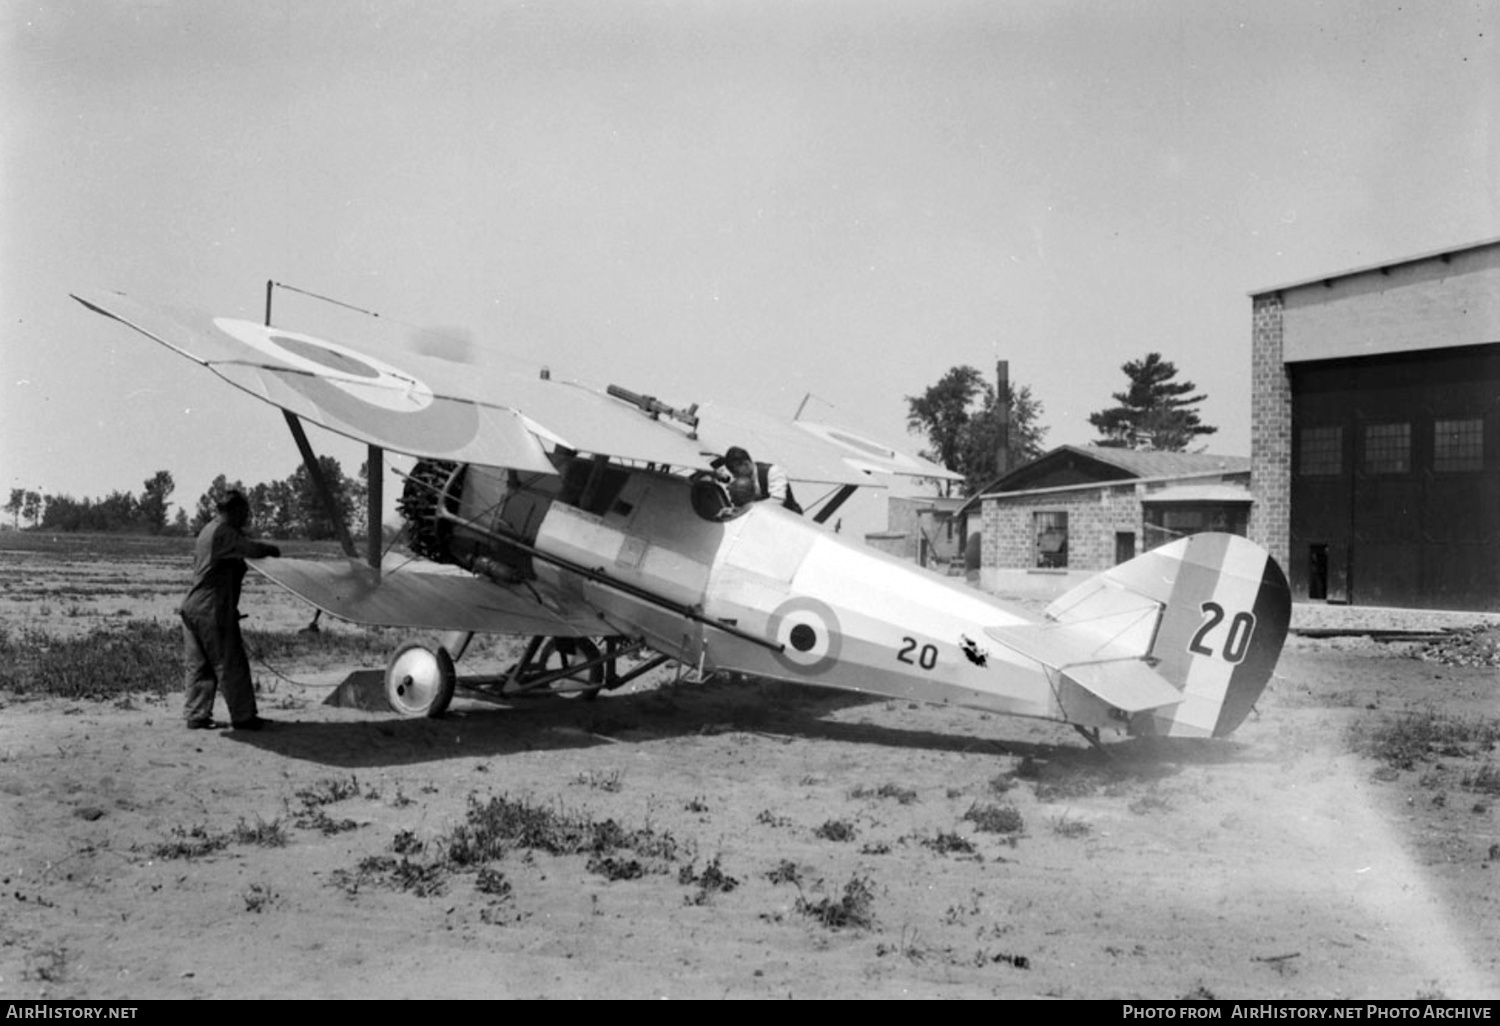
(736, 455)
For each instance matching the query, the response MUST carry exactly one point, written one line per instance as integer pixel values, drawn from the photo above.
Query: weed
(768, 818)
(421, 878)
(1001, 783)
(835, 830)
(1401, 743)
(903, 795)
(407, 843)
(612, 868)
(1485, 779)
(713, 880)
(191, 844)
(854, 909)
(492, 882)
(313, 818)
(102, 665)
(329, 790)
(994, 819)
(949, 844)
(910, 946)
(257, 897)
(610, 782)
(1152, 801)
(267, 835)
(1062, 826)
(502, 824)
(696, 805)
(786, 871)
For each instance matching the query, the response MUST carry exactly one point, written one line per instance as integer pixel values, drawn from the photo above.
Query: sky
(747, 202)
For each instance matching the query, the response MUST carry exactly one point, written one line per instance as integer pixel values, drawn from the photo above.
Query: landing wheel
(557, 654)
(419, 681)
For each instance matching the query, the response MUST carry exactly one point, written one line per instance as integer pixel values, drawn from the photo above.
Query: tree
(153, 502)
(312, 518)
(960, 415)
(1154, 412)
(13, 507)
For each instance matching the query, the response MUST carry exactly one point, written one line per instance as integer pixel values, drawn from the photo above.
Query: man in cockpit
(760, 481)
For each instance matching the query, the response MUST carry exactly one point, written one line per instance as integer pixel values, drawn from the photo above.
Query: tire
(552, 657)
(419, 681)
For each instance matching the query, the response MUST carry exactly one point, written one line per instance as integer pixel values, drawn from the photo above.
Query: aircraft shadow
(476, 728)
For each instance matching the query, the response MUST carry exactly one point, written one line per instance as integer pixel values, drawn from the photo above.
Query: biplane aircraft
(592, 522)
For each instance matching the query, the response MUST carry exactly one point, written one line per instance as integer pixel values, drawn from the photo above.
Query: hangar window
(1051, 539)
(1458, 445)
(1321, 452)
(1387, 449)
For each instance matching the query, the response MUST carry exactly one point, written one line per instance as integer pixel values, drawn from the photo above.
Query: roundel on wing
(359, 375)
(808, 632)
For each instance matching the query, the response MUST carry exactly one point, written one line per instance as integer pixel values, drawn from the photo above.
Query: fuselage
(778, 596)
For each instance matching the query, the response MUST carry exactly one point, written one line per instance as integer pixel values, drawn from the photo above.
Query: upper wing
(417, 404)
(423, 596)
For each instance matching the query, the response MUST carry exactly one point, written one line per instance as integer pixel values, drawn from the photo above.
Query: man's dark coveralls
(212, 650)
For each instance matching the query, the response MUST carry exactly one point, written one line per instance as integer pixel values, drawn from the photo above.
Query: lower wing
(423, 596)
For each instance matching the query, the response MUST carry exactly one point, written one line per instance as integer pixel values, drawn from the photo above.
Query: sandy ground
(1277, 864)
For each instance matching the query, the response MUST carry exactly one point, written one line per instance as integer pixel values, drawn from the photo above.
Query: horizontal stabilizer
(419, 595)
(1129, 685)
(1111, 672)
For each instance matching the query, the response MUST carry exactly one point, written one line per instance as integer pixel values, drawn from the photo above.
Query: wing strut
(320, 484)
(375, 477)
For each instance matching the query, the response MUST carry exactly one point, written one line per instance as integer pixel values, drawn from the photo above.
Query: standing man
(212, 650)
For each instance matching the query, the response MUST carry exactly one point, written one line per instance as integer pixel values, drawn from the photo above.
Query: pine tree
(1154, 412)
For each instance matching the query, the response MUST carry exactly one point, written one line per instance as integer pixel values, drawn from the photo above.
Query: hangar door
(1396, 479)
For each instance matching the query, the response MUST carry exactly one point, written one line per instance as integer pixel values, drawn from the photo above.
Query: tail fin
(1224, 610)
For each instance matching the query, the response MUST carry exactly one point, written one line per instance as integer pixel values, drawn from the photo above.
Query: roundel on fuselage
(808, 632)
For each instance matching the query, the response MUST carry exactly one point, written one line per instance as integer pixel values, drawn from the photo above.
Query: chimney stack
(1002, 408)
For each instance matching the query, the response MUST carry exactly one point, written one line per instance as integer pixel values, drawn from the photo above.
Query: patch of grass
(192, 843)
(995, 819)
(786, 871)
(713, 880)
(1486, 779)
(317, 818)
(329, 790)
(835, 830)
(503, 824)
(1402, 742)
(902, 795)
(853, 910)
(258, 897)
(1151, 801)
(267, 835)
(946, 843)
(102, 665)
(492, 882)
(610, 782)
(768, 818)
(1062, 826)
(420, 878)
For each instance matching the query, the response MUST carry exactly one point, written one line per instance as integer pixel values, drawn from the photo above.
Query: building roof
(1089, 465)
(1146, 463)
(1441, 254)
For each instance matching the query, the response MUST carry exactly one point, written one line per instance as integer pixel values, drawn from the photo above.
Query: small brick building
(1375, 431)
(1091, 507)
